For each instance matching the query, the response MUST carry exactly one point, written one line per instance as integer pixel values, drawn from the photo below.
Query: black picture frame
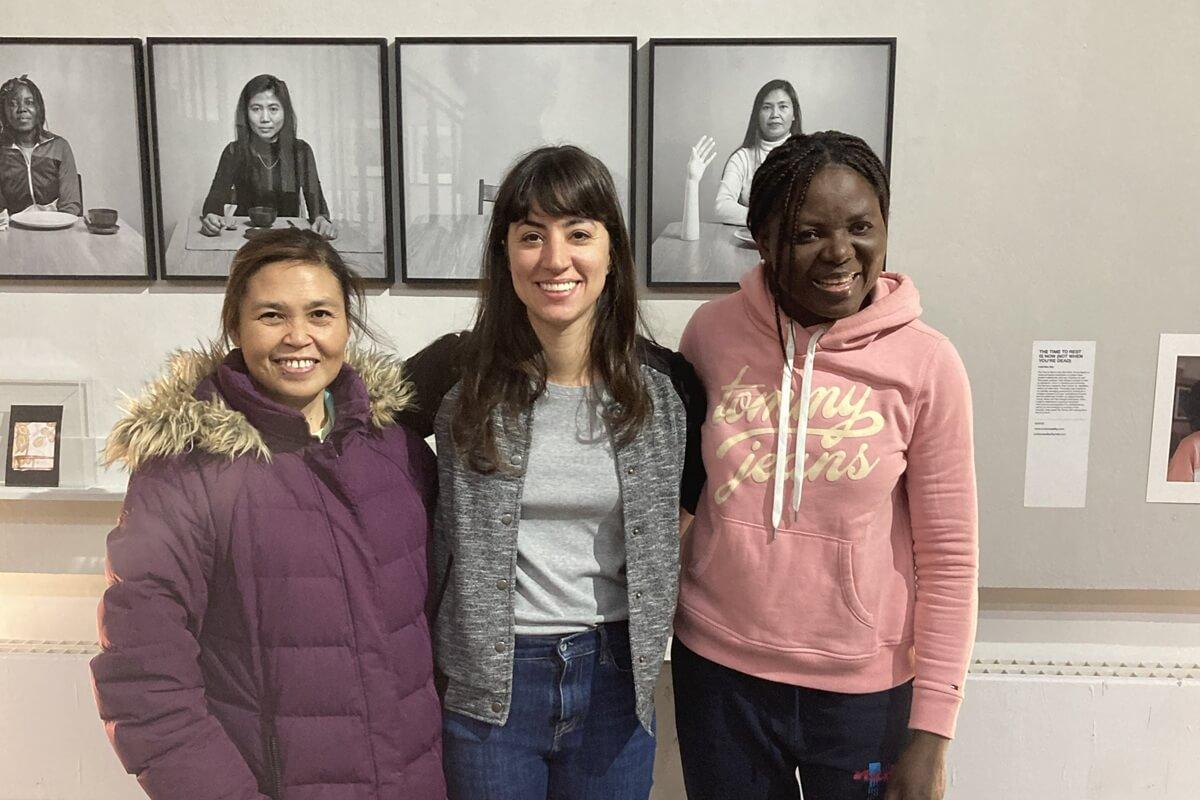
(385, 274)
(134, 254)
(413, 276)
(33, 476)
(741, 254)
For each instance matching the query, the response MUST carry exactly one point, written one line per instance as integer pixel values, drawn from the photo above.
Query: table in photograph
(716, 257)
(195, 255)
(445, 246)
(73, 251)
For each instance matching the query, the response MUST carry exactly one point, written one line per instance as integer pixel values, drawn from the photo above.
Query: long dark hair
(286, 142)
(780, 187)
(504, 366)
(9, 90)
(753, 137)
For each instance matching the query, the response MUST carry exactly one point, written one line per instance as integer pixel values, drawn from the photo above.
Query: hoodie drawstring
(785, 409)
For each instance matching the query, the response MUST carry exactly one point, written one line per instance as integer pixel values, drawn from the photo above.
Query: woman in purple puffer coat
(264, 632)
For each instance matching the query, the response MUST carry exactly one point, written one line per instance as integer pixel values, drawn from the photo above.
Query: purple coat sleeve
(148, 682)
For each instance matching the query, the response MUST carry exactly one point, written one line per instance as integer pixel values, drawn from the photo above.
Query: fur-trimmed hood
(174, 414)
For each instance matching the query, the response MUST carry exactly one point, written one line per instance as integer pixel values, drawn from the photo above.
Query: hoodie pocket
(793, 592)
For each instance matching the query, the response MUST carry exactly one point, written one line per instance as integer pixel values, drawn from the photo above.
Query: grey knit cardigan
(474, 552)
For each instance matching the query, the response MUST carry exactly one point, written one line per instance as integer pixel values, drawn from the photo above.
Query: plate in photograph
(44, 220)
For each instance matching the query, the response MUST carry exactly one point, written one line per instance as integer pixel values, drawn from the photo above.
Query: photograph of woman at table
(774, 117)
(266, 165)
(37, 167)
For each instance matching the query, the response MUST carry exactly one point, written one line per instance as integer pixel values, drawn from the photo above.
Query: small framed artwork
(74, 172)
(34, 446)
(717, 108)
(469, 109)
(254, 134)
(1175, 437)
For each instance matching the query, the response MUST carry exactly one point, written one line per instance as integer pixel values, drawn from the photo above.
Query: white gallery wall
(1044, 168)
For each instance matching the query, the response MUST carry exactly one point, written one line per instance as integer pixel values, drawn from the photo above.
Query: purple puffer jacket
(264, 632)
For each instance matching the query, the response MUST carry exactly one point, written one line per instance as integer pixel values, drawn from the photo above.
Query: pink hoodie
(864, 574)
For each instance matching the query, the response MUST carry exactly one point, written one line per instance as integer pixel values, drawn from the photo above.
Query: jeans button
(562, 647)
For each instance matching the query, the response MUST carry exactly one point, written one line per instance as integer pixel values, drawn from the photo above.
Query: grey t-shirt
(571, 539)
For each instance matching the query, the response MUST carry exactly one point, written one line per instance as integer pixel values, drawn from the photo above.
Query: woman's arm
(940, 479)
(220, 191)
(149, 686)
(314, 196)
(728, 207)
(69, 200)
(433, 371)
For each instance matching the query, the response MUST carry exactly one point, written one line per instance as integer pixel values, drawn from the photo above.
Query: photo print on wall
(1174, 475)
(34, 445)
(255, 134)
(468, 111)
(74, 173)
(717, 108)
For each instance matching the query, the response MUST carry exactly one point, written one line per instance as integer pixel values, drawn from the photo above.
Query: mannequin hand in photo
(324, 228)
(703, 152)
(920, 774)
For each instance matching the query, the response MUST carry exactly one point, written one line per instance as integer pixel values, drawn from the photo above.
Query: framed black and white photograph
(34, 446)
(1175, 436)
(253, 134)
(717, 108)
(74, 172)
(470, 107)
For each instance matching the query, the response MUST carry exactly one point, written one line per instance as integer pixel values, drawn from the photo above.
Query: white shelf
(111, 494)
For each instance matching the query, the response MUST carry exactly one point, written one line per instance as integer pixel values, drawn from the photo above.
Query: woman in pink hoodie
(827, 600)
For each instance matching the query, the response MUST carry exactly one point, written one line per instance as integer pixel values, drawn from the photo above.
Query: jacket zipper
(273, 767)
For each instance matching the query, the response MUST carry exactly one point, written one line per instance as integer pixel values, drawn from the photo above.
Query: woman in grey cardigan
(562, 442)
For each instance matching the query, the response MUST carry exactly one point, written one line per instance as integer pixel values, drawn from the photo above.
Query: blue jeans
(744, 737)
(572, 731)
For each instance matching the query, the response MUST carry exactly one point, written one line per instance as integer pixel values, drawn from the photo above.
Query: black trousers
(744, 738)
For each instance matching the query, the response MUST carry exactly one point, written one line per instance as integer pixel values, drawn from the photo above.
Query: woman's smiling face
(837, 249)
(265, 115)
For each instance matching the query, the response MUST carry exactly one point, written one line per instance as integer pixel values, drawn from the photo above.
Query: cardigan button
(516, 460)
(630, 470)
(500, 647)
(502, 584)
(497, 707)
(636, 530)
(637, 595)
(506, 518)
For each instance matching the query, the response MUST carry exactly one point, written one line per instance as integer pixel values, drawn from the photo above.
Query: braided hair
(780, 188)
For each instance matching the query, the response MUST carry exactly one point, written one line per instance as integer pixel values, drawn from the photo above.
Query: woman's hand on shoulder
(703, 153)
(920, 774)
(324, 228)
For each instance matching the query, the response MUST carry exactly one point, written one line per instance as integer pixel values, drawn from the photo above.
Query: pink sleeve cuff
(934, 711)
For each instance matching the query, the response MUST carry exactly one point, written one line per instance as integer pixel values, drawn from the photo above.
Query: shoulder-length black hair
(503, 363)
(8, 90)
(753, 137)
